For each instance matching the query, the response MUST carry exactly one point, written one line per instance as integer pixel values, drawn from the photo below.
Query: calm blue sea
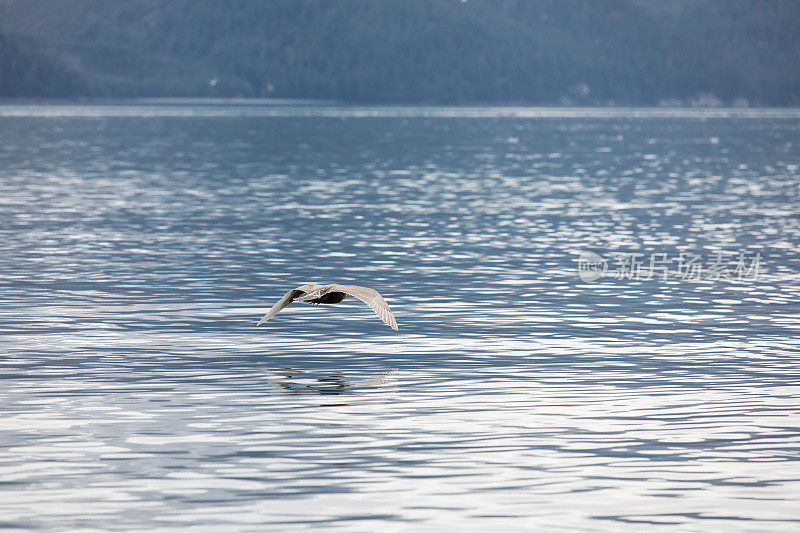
(599, 315)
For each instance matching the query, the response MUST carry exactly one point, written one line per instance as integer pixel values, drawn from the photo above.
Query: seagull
(333, 294)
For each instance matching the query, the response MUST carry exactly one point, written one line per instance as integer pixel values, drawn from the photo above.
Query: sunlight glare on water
(141, 244)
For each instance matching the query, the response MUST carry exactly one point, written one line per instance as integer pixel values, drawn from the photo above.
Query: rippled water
(141, 244)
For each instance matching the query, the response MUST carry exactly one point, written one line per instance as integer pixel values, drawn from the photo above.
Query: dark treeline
(431, 51)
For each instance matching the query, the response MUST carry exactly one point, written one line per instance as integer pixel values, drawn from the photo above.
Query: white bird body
(333, 294)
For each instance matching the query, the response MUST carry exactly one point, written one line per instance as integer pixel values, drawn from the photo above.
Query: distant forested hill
(26, 71)
(431, 51)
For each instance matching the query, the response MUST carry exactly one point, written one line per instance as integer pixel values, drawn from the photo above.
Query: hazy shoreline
(297, 107)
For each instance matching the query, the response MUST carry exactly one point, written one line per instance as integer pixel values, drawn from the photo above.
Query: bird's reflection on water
(320, 382)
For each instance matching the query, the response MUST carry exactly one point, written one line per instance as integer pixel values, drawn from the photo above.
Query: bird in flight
(333, 294)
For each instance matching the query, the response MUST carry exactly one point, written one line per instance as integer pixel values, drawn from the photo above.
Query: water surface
(141, 244)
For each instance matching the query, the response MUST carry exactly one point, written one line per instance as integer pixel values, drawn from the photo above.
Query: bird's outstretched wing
(372, 298)
(288, 298)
